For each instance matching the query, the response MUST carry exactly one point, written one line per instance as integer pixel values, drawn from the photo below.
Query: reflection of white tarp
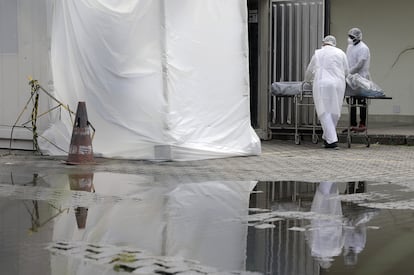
(198, 221)
(203, 223)
(161, 79)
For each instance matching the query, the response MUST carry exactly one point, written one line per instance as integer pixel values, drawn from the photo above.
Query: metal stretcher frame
(298, 96)
(353, 102)
(298, 100)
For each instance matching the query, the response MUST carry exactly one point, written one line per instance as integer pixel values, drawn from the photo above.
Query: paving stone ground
(279, 161)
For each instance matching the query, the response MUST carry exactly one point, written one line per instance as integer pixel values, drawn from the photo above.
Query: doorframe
(264, 64)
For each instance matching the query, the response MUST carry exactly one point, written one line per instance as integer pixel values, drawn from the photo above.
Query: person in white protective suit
(328, 69)
(358, 55)
(355, 225)
(355, 235)
(325, 236)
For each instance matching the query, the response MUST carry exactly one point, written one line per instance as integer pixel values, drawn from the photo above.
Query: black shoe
(333, 145)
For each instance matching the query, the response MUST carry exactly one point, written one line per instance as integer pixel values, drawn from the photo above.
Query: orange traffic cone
(80, 150)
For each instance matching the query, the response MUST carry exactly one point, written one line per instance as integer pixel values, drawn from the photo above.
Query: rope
(35, 87)
(34, 120)
(17, 120)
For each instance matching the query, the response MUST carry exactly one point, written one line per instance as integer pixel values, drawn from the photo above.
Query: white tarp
(162, 79)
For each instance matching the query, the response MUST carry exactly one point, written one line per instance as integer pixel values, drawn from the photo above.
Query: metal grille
(296, 31)
(279, 250)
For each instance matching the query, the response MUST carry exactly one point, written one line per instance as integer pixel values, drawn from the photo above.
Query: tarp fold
(161, 79)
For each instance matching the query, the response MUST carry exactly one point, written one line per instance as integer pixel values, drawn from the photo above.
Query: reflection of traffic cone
(81, 214)
(80, 150)
(81, 182)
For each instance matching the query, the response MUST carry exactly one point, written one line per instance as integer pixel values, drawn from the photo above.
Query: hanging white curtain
(161, 79)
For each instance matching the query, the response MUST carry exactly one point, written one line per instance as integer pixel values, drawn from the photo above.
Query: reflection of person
(355, 234)
(328, 69)
(355, 237)
(358, 55)
(342, 230)
(325, 237)
(355, 229)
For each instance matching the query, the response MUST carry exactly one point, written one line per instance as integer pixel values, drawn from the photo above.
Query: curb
(355, 138)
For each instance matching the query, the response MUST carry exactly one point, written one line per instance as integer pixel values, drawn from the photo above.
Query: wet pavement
(295, 209)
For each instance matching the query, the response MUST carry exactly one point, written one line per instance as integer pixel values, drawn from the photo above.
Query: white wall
(387, 28)
(29, 58)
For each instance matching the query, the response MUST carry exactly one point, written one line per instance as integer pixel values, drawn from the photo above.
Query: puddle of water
(331, 228)
(89, 223)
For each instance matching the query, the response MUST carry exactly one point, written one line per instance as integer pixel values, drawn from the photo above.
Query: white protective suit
(328, 69)
(359, 59)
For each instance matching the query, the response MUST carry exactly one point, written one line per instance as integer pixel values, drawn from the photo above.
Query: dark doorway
(253, 30)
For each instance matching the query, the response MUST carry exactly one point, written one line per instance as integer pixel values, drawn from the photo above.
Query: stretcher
(301, 95)
(353, 102)
(299, 91)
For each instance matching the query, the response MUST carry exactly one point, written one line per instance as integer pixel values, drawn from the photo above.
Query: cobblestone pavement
(279, 161)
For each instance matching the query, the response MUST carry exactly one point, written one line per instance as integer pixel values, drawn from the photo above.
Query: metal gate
(297, 28)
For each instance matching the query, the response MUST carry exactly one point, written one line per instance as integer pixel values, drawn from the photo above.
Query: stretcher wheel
(297, 139)
(368, 141)
(315, 139)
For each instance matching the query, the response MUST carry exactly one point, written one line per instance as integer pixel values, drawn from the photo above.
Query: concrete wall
(26, 53)
(387, 28)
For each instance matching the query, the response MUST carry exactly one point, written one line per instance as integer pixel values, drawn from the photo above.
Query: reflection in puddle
(104, 222)
(188, 221)
(312, 227)
(344, 231)
(32, 207)
(56, 189)
(81, 182)
(132, 260)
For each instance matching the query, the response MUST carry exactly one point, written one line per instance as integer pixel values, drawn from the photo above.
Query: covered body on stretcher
(356, 87)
